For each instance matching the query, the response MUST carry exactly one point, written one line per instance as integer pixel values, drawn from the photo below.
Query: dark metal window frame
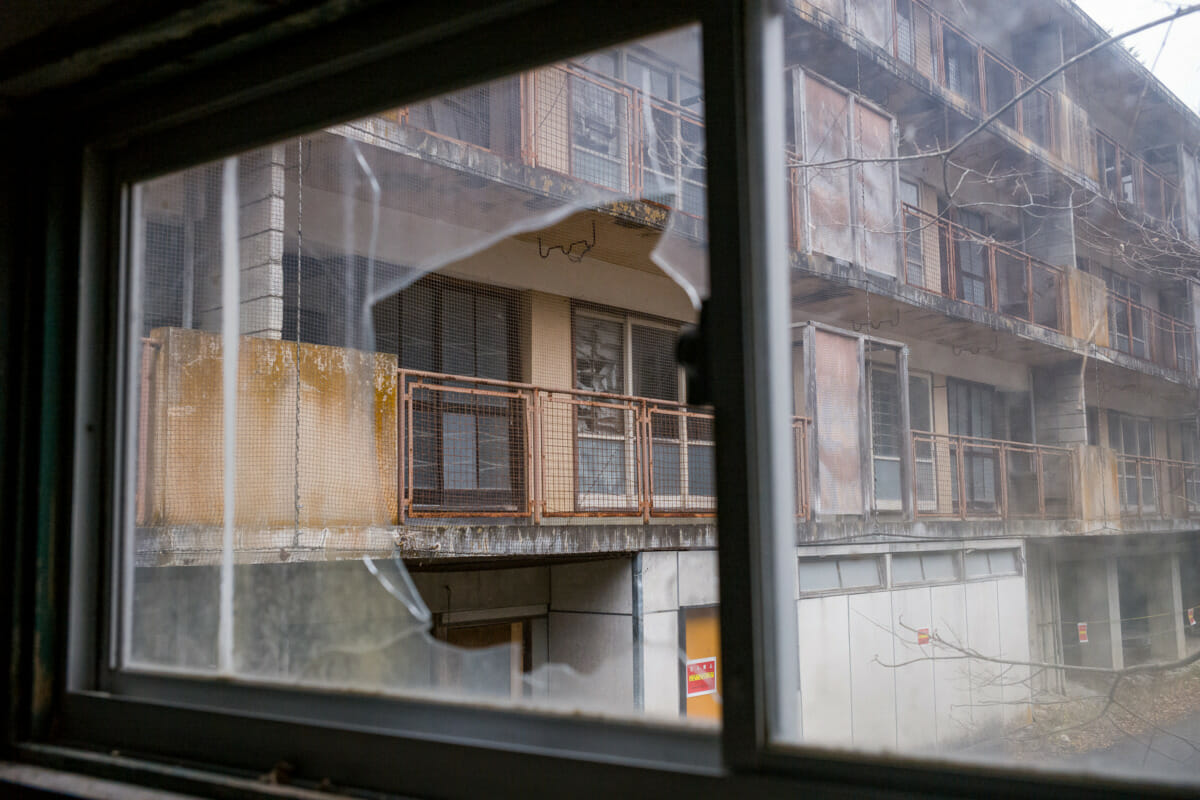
(77, 711)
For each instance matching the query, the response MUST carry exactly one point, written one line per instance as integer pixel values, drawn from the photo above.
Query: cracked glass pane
(408, 414)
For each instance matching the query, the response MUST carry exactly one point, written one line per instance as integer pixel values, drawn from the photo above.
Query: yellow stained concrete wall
(931, 242)
(1096, 488)
(1087, 313)
(550, 360)
(346, 449)
(1076, 142)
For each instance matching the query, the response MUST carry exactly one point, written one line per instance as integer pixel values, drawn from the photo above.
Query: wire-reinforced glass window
(370, 389)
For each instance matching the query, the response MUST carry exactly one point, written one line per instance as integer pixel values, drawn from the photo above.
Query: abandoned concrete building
(455, 356)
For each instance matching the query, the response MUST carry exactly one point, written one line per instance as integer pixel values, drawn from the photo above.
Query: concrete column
(260, 242)
(1050, 232)
(591, 631)
(1114, 612)
(1060, 413)
(660, 668)
(1177, 606)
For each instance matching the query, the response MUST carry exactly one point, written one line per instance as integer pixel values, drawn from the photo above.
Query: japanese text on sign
(1082, 626)
(701, 676)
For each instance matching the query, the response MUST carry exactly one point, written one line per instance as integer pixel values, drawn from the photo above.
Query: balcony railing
(800, 433)
(1127, 178)
(971, 478)
(951, 260)
(1151, 335)
(591, 127)
(946, 54)
(472, 447)
(1157, 487)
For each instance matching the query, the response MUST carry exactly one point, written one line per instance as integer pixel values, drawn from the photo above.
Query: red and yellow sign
(1082, 627)
(701, 676)
(923, 636)
(1191, 616)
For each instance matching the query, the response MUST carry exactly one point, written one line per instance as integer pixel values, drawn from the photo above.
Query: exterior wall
(1099, 495)
(591, 630)
(550, 360)
(1189, 187)
(347, 472)
(1087, 315)
(260, 248)
(1059, 409)
(864, 680)
(660, 670)
(1076, 141)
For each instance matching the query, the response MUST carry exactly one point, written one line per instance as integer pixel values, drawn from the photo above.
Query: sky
(1178, 63)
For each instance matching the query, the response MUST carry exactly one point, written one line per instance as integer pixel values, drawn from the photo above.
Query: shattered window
(407, 414)
(408, 419)
(993, 255)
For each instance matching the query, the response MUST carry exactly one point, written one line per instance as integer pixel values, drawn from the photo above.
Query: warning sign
(1191, 616)
(701, 676)
(1082, 626)
(923, 636)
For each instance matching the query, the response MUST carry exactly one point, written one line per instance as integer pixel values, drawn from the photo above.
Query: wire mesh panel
(465, 448)
(915, 37)
(337, 353)
(591, 454)
(959, 476)
(682, 479)
(1145, 485)
(800, 436)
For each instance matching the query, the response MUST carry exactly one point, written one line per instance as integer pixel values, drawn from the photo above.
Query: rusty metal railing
(949, 56)
(968, 266)
(967, 477)
(1127, 178)
(1150, 335)
(597, 129)
(1158, 487)
(800, 434)
(475, 447)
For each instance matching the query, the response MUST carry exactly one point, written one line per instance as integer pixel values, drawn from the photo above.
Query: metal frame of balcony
(1175, 487)
(1163, 334)
(1022, 117)
(950, 458)
(1034, 273)
(544, 435)
(1145, 179)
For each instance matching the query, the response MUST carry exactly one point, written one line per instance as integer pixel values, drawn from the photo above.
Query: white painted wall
(864, 680)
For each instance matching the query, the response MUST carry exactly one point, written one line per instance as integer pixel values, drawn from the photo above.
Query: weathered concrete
(183, 545)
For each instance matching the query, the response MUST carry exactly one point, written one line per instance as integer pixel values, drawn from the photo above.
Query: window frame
(61, 558)
(241, 719)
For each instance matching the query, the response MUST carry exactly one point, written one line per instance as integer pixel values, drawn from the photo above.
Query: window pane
(907, 569)
(976, 563)
(939, 566)
(383, 365)
(1003, 562)
(818, 575)
(958, 394)
(859, 572)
